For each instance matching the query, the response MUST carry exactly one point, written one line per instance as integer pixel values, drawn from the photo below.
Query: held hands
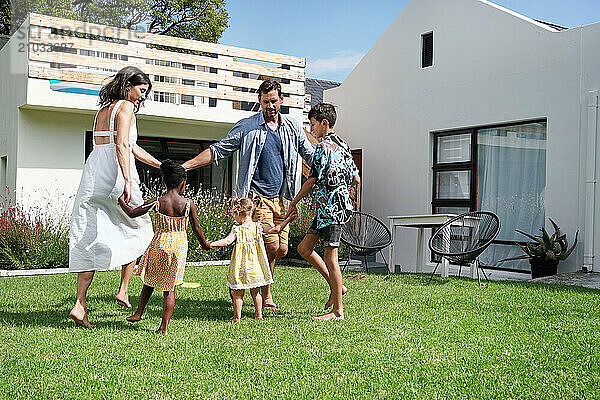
(292, 212)
(122, 201)
(127, 192)
(290, 216)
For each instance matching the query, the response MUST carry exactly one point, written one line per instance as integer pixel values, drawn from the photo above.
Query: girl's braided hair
(243, 206)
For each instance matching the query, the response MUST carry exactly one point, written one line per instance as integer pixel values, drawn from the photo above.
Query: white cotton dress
(101, 235)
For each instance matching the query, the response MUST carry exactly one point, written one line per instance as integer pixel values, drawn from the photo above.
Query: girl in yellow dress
(249, 266)
(163, 264)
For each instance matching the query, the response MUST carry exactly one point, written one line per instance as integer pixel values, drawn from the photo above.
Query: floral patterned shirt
(334, 168)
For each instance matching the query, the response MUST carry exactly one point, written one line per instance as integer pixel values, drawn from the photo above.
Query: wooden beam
(97, 62)
(46, 39)
(99, 79)
(163, 40)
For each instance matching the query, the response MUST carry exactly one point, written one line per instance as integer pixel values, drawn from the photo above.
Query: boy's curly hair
(243, 206)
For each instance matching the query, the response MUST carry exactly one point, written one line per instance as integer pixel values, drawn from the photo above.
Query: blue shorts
(330, 234)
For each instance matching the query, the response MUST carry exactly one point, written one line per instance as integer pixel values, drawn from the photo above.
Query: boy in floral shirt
(333, 171)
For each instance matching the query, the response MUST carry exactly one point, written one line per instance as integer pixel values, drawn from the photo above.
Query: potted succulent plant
(545, 251)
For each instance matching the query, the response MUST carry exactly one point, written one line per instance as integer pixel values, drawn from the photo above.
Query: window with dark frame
(187, 99)
(455, 167)
(427, 50)
(454, 174)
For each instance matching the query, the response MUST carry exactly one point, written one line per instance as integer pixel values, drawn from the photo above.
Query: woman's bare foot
(123, 300)
(134, 318)
(330, 316)
(330, 300)
(80, 317)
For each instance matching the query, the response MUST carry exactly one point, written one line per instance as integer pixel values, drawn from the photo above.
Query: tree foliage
(204, 20)
(4, 17)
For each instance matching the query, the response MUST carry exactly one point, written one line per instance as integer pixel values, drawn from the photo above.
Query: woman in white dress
(101, 235)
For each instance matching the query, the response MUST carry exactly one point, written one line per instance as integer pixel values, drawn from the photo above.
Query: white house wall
(490, 66)
(13, 87)
(590, 61)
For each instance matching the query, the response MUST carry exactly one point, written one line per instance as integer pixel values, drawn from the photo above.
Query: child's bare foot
(330, 300)
(162, 331)
(330, 316)
(134, 318)
(80, 317)
(270, 305)
(123, 300)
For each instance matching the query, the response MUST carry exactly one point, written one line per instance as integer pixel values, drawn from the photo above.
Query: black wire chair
(462, 239)
(365, 235)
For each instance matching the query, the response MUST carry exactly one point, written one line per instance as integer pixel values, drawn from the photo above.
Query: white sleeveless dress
(101, 235)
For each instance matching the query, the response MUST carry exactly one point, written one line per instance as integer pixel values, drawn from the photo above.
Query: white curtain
(511, 181)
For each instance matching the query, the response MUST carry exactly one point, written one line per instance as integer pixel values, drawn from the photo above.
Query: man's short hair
(321, 111)
(268, 85)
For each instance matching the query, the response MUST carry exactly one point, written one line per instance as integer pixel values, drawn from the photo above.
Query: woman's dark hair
(118, 87)
(172, 173)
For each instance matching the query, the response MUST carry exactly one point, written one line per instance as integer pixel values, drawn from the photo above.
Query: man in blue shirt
(269, 144)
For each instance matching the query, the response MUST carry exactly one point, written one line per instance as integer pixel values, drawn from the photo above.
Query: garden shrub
(30, 238)
(36, 237)
(216, 222)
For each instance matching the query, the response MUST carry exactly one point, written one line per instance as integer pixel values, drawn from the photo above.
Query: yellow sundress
(249, 266)
(163, 264)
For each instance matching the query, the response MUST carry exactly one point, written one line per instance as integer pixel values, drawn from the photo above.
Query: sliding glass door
(497, 168)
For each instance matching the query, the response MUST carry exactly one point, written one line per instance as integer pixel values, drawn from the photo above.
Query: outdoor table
(420, 222)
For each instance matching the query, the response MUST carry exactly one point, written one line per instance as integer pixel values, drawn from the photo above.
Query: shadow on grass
(104, 312)
(413, 279)
(201, 309)
(60, 319)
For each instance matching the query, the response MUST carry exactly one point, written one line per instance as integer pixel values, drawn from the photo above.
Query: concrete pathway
(586, 279)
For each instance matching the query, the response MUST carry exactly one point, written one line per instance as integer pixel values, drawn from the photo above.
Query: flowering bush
(216, 222)
(30, 238)
(38, 237)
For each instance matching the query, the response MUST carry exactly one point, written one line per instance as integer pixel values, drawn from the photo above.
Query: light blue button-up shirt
(249, 135)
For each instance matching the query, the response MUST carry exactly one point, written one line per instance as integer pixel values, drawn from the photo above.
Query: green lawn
(401, 339)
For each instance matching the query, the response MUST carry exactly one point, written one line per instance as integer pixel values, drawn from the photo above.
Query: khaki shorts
(272, 212)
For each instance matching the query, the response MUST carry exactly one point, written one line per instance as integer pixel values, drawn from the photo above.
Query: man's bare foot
(134, 318)
(80, 319)
(330, 316)
(330, 300)
(234, 320)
